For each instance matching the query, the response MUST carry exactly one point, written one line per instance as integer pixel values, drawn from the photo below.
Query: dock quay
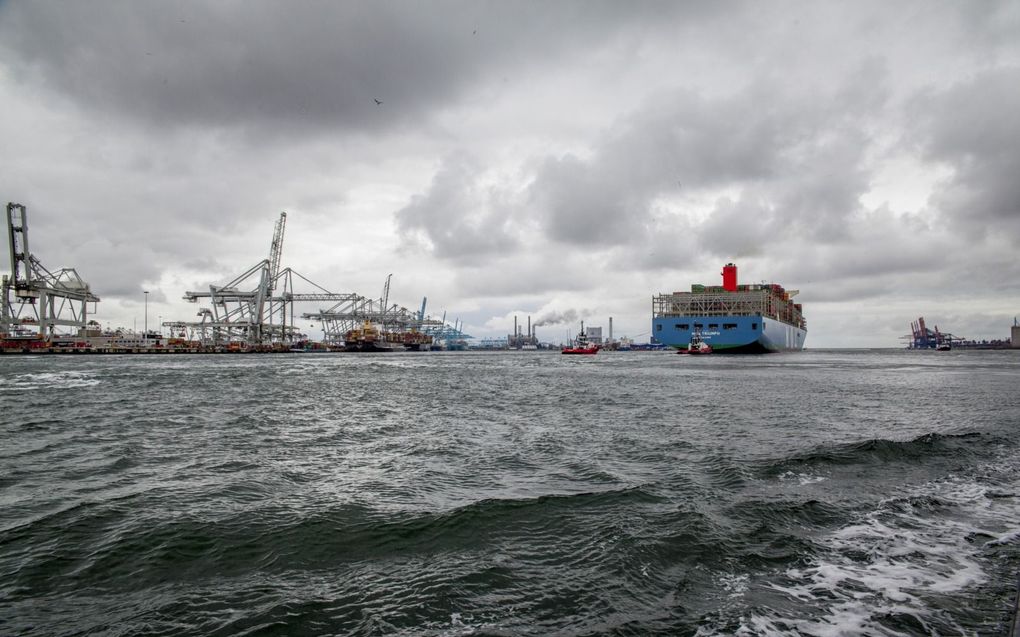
(51, 311)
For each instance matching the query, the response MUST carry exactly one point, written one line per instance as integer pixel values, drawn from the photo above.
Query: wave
(899, 568)
(792, 514)
(93, 543)
(878, 450)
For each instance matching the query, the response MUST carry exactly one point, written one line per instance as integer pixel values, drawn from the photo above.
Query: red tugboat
(581, 345)
(697, 346)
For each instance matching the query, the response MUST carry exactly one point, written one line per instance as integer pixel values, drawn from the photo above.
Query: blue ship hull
(730, 334)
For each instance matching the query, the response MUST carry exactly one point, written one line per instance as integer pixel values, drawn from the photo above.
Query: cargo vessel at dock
(369, 338)
(730, 318)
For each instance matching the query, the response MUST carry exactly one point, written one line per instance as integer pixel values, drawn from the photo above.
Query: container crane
(41, 298)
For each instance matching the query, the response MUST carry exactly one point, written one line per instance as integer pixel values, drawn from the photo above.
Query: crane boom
(276, 250)
(17, 231)
(385, 299)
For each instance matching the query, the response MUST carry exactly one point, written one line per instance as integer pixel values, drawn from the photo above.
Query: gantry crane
(41, 299)
(355, 310)
(238, 314)
(256, 316)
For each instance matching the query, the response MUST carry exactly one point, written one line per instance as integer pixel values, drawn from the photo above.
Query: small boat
(581, 345)
(697, 346)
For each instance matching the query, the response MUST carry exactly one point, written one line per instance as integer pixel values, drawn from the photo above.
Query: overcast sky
(552, 159)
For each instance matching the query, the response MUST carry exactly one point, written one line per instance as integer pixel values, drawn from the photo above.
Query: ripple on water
(507, 494)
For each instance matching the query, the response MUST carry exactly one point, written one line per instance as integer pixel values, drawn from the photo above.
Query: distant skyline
(563, 161)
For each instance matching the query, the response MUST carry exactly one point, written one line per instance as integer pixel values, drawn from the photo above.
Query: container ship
(730, 318)
(369, 338)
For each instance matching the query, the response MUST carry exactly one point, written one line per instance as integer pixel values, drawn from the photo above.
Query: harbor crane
(35, 297)
(923, 337)
(354, 311)
(262, 315)
(239, 314)
(257, 307)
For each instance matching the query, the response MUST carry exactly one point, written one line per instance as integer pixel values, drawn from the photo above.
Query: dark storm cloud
(973, 129)
(677, 141)
(799, 157)
(294, 65)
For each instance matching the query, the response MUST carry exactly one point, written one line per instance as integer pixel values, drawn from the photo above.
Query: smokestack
(729, 277)
(529, 326)
(515, 326)
(610, 329)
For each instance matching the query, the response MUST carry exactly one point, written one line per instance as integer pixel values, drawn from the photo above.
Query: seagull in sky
(377, 102)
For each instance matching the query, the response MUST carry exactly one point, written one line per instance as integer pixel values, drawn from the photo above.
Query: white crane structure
(253, 311)
(262, 315)
(352, 312)
(34, 298)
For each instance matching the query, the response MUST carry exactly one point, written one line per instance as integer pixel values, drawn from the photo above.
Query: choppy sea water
(644, 493)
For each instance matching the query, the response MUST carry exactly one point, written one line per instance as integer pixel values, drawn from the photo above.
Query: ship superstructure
(731, 317)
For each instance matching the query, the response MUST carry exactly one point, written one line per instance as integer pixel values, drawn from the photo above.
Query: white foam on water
(734, 585)
(49, 380)
(464, 625)
(802, 478)
(1007, 538)
(892, 560)
(754, 626)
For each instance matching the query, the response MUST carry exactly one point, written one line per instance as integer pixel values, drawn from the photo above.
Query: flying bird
(377, 102)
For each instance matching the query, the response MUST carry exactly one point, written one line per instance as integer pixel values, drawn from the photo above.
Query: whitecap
(894, 560)
(49, 380)
(735, 585)
(802, 478)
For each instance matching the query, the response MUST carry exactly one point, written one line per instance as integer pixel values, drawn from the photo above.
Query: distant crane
(352, 312)
(921, 337)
